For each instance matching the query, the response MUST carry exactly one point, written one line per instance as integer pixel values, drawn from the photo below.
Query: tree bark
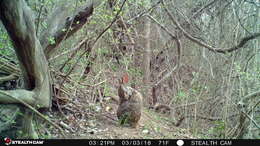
(146, 58)
(203, 44)
(17, 19)
(61, 28)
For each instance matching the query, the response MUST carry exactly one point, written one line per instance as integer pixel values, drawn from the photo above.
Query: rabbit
(130, 103)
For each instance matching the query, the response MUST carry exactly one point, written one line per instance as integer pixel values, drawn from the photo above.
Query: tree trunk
(146, 58)
(17, 19)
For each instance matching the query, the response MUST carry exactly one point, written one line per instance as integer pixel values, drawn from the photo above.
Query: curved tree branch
(175, 38)
(60, 30)
(197, 41)
(18, 21)
(203, 8)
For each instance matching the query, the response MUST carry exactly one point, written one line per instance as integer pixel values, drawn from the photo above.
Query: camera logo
(7, 141)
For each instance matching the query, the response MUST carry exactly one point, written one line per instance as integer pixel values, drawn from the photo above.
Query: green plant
(124, 119)
(181, 95)
(218, 129)
(51, 40)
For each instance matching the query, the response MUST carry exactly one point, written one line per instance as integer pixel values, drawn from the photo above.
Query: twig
(176, 38)
(166, 76)
(251, 95)
(113, 21)
(39, 16)
(162, 27)
(38, 113)
(91, 46)
(144, 12)
(8, 78)
(202, 8)
(197, 41)
(253, 121)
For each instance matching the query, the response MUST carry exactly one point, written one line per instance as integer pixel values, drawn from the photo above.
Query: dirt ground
(152, 125)
(89, 123)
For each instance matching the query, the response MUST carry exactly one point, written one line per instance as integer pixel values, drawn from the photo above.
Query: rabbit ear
(121, 92)
(125, 78)
(120, 81)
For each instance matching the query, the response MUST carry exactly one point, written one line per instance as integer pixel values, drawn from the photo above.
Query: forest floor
(150, 127)
(104, 125)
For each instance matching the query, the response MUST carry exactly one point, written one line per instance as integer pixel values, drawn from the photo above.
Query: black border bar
(134, 142)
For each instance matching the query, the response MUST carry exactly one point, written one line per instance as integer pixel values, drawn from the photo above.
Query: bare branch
(26, 98)
(144, 12)
(71, 25)
(251, 95)
(113, 21)
(166, 76)
(203, 7)
(8, 78)
(197, 41)
(18, 21)
(251, 119)
(12, 96)
(162, 27)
